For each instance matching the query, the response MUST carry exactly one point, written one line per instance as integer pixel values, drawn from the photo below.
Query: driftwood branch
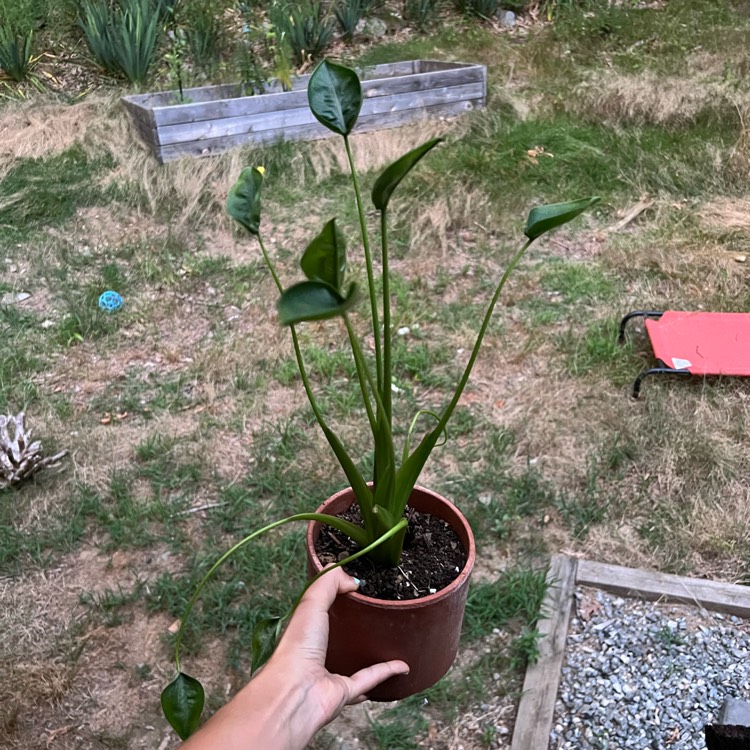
(19, 456)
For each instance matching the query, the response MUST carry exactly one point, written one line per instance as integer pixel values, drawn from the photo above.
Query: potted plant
(372, 517)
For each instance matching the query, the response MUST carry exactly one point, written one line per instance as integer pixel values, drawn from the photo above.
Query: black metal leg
(655, 371)
(636, 314)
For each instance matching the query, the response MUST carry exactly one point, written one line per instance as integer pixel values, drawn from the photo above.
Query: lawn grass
(185, 417)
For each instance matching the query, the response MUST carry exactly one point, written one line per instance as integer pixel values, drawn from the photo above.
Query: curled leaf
(182, 702)
(266, 634)
(335, 97)
(390, 178)
(324, 258)
(313, 300)
(543, 218)
(243, 201)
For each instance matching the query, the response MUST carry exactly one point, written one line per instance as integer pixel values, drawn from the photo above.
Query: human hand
(293, 695)
(303, 646)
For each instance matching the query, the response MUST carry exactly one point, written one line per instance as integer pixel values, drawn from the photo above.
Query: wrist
(279, 708)
(270, 712)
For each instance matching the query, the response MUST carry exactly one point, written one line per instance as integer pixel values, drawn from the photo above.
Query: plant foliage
(122, 38)
(348, 14)
(420, 13)
(306, 27)
(335, 98)
(15, 53)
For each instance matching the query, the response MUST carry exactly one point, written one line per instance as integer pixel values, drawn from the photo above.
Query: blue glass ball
(110, 301)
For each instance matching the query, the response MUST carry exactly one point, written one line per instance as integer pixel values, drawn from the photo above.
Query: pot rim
(423, 601)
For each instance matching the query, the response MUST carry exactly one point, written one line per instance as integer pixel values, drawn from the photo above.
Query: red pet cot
(695, 343)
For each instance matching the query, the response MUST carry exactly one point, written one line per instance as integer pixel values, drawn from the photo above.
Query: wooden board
(537, 705)
(305, 132)
(219, 118)
(644, 584)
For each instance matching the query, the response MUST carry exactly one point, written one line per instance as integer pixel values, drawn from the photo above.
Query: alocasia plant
(335, 98)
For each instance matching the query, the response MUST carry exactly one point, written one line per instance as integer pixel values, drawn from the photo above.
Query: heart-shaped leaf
(335, 97)
(543, 218)
(313, 300)
(325, 257)
(265, 636)
(243, 201)
(393, 174)
(182, 702)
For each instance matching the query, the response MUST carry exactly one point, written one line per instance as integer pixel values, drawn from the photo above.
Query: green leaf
(324, 258)
(243, 201)
(266, 634)
(313, 300)
(182, 702)
(393, 174)
(356, 480)
(543, 218)
(409, 471)
(335, 97)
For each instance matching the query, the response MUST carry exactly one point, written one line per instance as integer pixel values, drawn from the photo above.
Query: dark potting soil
(433, 557)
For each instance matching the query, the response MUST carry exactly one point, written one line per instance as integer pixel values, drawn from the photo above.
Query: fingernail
(357, 582)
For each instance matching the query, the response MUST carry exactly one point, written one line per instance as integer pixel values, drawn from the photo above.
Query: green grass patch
(39, 193)
(516, 595)
(596, 351)
(649, 38)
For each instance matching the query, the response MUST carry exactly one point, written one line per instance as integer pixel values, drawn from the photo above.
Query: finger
(360, 683)
(328, 586)
(313, 608)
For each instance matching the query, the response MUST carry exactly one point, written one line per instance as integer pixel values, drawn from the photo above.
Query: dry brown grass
(727, 214)
(679, 501)
(649, 97)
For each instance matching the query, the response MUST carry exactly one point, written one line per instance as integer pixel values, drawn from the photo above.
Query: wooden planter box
(218, 118)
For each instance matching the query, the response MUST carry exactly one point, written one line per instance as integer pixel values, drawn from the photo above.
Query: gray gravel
(647, 676)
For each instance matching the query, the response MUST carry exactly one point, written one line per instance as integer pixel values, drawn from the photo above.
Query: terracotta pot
(423, 632)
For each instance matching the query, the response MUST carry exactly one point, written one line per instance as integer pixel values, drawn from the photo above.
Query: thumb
(360, 683)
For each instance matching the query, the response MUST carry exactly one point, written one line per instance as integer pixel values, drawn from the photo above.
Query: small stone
(375, 28)
(506, 18)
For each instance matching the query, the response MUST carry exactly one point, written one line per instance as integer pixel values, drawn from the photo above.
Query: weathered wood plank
(252, 105)
(536, 708)
(290, 118)
(200, 94)
(309, 132)
(430, 66)
(644, 584)
(143, 121)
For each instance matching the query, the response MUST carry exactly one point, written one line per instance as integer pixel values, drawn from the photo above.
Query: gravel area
(646, 675)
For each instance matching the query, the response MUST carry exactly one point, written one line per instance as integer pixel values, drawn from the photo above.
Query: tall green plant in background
(122, 36)
(202, 20)
(420, 13)
(18, 21)
(136, 38)
(306, 27)
(15, 53)
(348, 14)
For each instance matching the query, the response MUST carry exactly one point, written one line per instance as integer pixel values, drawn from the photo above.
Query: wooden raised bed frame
(217, 118)
(537, 706)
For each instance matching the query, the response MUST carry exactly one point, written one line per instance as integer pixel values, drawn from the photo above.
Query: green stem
(368, 263)
(478, 344)
(387, 367)
(320, 517)
(364, 551)
(356, 480)
(363, 375)
(359, 355)
(269, 264)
